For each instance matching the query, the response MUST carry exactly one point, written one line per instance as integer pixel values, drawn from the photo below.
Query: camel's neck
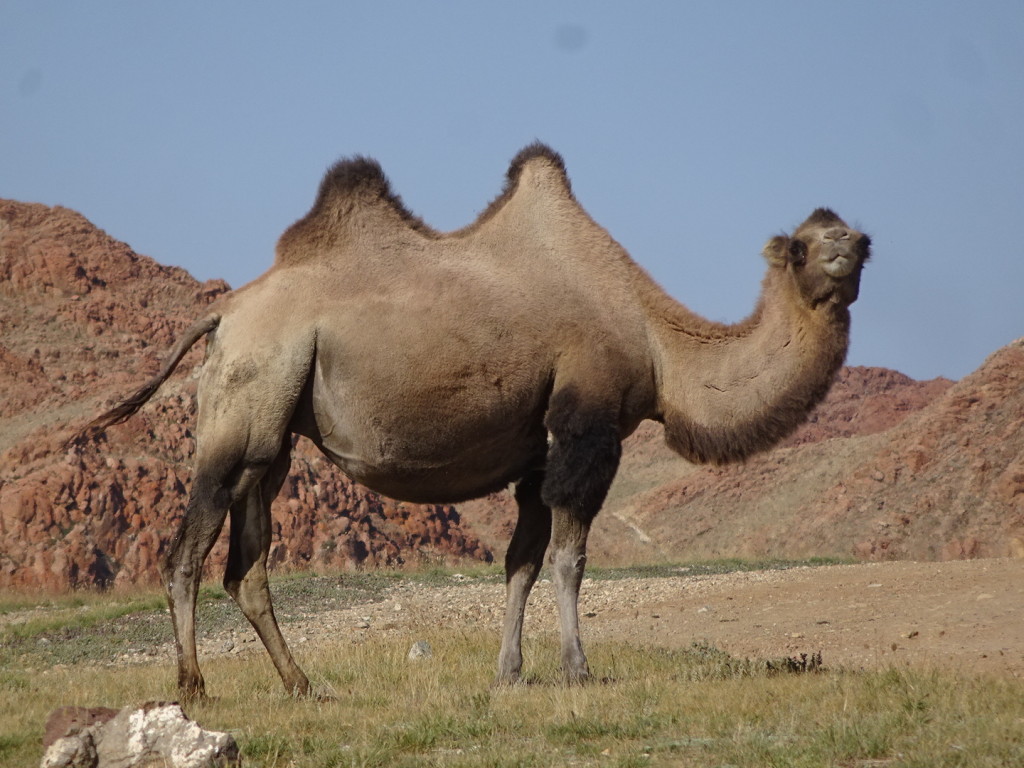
(727, 391)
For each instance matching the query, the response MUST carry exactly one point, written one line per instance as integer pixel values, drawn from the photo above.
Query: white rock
(157, 733)
(420, 650)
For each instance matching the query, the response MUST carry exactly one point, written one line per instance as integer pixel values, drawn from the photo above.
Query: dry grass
(653, 707)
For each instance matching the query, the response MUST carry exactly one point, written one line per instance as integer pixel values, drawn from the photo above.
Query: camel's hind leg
(522, 564)
(182, 568)
(245, 577)
(242, 426)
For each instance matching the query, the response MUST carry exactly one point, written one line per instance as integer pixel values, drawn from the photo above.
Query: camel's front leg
(523, 561)
(581, 464)
(568, 559)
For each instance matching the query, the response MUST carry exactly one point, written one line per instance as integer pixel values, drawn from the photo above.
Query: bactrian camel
(439, 367)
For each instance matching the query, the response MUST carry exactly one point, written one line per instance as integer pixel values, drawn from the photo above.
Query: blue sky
(196, 132)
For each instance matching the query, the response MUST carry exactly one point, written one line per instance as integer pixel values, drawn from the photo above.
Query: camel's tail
(134, 402)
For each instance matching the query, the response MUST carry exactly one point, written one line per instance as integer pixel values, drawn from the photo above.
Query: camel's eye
(797, 252)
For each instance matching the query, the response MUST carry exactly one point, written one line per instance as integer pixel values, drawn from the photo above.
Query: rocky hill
(84, 320)
(886, 468)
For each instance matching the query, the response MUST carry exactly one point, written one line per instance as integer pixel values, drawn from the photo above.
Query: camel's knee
(251, 592)
(167, 569)
(568, 562)
(203, 520)
(179, 565)
(583, 457)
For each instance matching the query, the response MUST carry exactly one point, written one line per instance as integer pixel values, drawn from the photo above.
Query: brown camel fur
(437, 367)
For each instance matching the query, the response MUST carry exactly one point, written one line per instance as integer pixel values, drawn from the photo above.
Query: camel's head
(824, 257)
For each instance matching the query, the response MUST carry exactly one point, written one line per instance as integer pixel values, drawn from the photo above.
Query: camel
(439, 367)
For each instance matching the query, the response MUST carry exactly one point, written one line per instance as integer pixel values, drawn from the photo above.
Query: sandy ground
(966, 615)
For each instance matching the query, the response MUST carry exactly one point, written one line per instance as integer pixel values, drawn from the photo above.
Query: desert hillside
(886, 468)
(85, 320)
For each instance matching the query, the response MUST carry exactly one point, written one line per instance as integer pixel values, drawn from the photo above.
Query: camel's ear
(775, 251)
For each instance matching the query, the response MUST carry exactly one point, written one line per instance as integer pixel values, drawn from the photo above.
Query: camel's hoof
(507, 681)
(299, 687)
(578, 678)
(190, 693)
(194, 699)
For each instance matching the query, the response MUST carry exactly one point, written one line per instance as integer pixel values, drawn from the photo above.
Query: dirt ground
(962, 615)
(967, 615)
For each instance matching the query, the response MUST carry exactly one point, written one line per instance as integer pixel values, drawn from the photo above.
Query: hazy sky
(196, 132)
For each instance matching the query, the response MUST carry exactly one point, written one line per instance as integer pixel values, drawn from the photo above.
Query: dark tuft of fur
(355, 173)
(583, 457)
(363, 176)
(527, 154)
(864, 248)
(823, 216)
(532, 152)
(797, 252)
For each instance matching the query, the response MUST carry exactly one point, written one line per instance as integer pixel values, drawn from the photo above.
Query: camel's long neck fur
(727, 391)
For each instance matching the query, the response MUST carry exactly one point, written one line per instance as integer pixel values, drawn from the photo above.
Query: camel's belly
(427, 443)
(462, 470)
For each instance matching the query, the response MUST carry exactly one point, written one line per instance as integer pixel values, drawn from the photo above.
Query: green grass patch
(83, 617)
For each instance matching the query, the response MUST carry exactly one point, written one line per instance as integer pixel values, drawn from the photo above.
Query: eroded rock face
(85, 321)
(157, 733)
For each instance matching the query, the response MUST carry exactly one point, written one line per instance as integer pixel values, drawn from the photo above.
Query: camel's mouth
(839, 265)
(838, 259)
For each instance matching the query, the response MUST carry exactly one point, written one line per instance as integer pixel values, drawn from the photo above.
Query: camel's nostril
(837, 233)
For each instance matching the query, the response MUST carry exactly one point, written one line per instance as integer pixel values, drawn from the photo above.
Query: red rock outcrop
(865, 401)
(84, 321)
